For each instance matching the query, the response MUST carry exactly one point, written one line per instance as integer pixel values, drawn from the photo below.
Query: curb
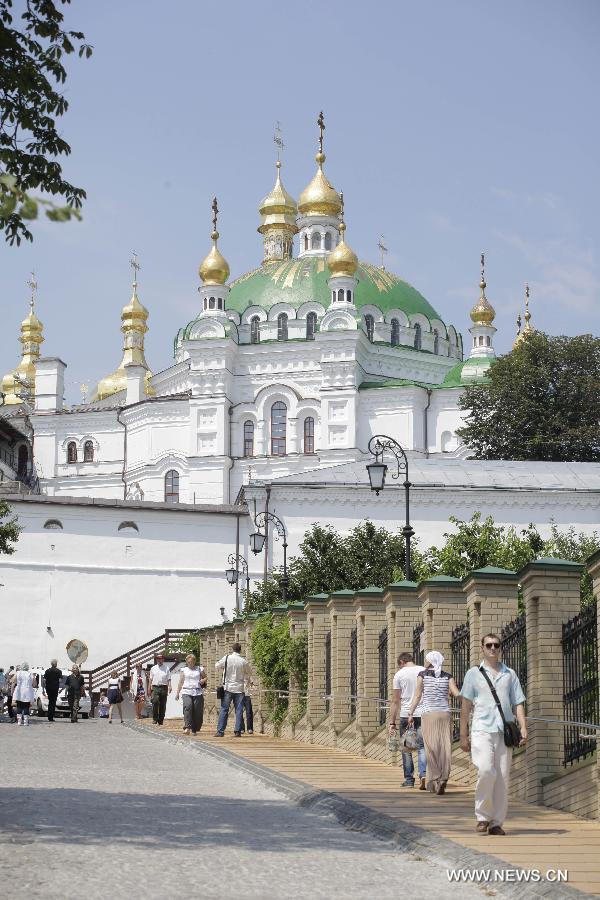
(406, 836)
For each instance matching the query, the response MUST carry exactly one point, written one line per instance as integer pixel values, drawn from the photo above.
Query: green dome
(296, 281)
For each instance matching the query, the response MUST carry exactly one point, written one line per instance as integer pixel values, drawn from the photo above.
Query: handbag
(221, 688)
(410, 739)
(512, 732)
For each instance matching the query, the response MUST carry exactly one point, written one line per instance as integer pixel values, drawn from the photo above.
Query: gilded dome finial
(527, 327)
(320, 157)
(342, 260)
(19, 384)
(278, 213)
(483, 313)
(319, 198)
(214, 269)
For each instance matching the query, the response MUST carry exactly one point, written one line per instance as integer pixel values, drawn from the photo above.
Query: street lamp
(377, 471)
(238, 566)
(257, 543)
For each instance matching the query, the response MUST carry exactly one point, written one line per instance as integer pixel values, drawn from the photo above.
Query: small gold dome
(214, 269)
(22, 379)
(483, 313)
(343, 260)
(319, 198)
(278, 205)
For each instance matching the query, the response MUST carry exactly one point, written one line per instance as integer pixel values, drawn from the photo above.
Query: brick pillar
(370, 620)
(552, 596)
(343, 620)
(239, 633)
(317, 616)
(403, 613)
(491, 596)
(228, 636)
(444, 607)
(208, 661)
(296, 615)
(593, 567)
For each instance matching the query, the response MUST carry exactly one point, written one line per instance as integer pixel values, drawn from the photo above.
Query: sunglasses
(493, 646)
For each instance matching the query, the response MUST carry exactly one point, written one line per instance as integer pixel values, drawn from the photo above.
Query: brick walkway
(537, 838)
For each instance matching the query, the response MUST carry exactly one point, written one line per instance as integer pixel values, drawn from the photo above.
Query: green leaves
(9, 529)
(17, 205)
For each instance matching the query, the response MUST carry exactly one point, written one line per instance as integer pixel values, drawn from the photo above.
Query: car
(40, 703)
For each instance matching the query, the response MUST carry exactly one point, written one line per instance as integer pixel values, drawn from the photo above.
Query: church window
(282, 327)
(315, 241)
(220, 303)
(306, 242)
(488, 341)
(211, 303)
(417, 344)
(128, 526)
(249, 438)
(349, 296)
(328, 241)
(88, 451)
(370, 327)
(481, 341)
(71, 452)
(341, 295)
(53, 525)
(395, 338)
(278, 428)
(309, 435)
(255, 330)
(172, 486)
(474, 341)
(436, 341)
(311, 326)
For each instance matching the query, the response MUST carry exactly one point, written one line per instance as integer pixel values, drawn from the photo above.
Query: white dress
(23, 692)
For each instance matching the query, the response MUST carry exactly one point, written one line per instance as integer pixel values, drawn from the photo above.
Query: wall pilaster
(444, 607)
(492, 601)
(370, 620)
(342, 620)
(317, 616)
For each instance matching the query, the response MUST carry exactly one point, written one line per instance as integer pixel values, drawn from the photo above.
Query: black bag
(512, 732)
(221, 688)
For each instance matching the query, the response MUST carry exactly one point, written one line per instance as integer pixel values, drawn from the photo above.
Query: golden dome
(214, 269)
(343, 260)
(319, 198)
(483, 313)
(278, 207)
(22, 379)
(528, 327)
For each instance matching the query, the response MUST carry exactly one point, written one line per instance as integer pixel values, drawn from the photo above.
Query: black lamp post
(257, 543)
(377, 470)
(238, 566)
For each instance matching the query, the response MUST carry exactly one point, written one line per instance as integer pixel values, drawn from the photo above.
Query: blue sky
(452, 128)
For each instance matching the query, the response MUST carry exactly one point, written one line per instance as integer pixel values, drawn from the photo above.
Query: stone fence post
(297, 622)
(317, 616)
(403, 614)
(342, 619)
(593, 567)
(492, 601)
(370, 620)
(551, 590)
(444, 607)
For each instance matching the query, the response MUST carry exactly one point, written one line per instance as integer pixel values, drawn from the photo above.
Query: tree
(9, 529)
(32, 69)
(541, 402)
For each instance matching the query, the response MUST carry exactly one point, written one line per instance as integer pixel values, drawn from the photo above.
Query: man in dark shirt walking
(52, 678)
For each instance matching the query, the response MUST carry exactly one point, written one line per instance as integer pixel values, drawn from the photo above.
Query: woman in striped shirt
(434, 687)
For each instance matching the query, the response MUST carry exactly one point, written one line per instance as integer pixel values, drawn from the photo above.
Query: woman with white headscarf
(23, 694)
(434, 687)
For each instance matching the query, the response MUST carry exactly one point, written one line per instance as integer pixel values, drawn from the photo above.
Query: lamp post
(238, 565)
(377, 470)
(257, 543)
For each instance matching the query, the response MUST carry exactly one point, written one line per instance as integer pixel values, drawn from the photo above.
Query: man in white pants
(489, 753)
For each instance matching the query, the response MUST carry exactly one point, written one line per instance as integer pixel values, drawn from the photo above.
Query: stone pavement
(101, 811)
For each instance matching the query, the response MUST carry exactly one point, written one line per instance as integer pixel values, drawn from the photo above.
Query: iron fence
(580, 681)
(327, 670)
(460, 647)
(353, 671)
(418, 654)
(514, 648)
(382, 651)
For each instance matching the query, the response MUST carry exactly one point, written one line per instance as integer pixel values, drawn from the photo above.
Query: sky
(451, 127)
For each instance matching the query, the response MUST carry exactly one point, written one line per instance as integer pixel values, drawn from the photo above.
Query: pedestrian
(236, 671)
(51, 687)
(75, 684)
(139, 687)
(103, 705)
(248, 712)
(404, 687)
(192, 682)
(10, 687)
(23, 694)
(115, 696)
(159, 686)
(2, 691)
(492, 691)
(434, 687)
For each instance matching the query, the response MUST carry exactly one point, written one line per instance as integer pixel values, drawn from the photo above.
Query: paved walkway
(99, 811)
(537, 838)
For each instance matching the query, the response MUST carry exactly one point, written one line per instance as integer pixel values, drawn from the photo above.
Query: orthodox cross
(278, 139)
(527, 313)
(133, 262)
(321, 124)
(483, 266)
(519, 323)
(341, 206)
(215, 210)
(32, 283)
(382, 249)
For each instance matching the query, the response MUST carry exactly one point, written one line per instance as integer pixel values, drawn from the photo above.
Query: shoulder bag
(221, 688)
(512, 732)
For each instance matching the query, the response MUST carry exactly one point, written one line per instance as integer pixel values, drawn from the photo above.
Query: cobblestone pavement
(101, 811)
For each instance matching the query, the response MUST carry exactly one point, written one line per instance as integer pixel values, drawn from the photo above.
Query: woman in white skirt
(434, 687)
(23, 694)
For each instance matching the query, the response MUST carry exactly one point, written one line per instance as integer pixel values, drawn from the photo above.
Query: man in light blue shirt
(488, 751)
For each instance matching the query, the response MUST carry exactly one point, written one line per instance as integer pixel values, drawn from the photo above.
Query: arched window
(315, 241)
(255, 330)
(220, 303)
(211, 303)
(71, 452)
(128, 526)
(417, 336)
(395, 338)
(311, 326)
(474, 341)
(309, 435)
(349, 296)
(172, 486)
(481, 341)
(278, 428)
(88, 451)
(340, 295)
(282, 327)
(436, 341)
(488, 341)
(370, 326)
(328, 241)
(53, 525)
(248, 438)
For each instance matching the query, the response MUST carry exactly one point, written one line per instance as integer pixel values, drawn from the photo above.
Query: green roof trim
(317, 598)
(403, 585)
(552, 563)
(442, 579)
(346, 592)
(297, 281)
(372, 590)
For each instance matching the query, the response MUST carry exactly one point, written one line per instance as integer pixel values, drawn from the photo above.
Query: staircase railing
(126, 662)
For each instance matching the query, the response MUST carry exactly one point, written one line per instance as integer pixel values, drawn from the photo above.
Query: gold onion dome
(320, 198)
(483, 313)
(214, 269)
(278, 207)
(342, 260)
(22, 379)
